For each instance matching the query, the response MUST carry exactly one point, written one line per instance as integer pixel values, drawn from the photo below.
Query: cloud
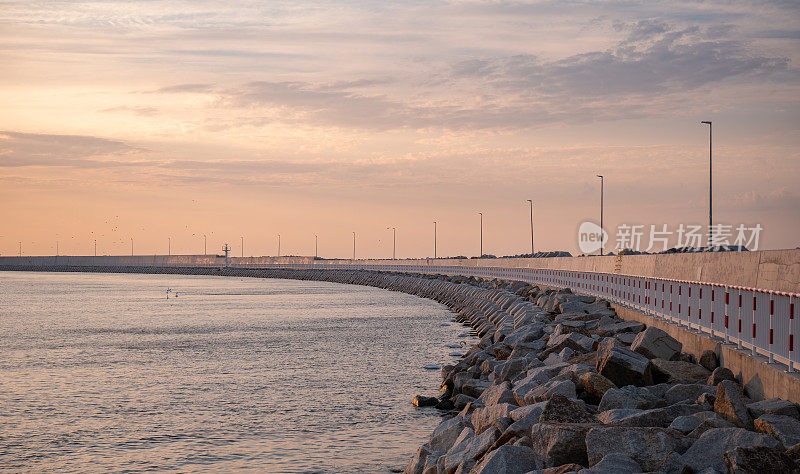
(19, 149)
(140, 111)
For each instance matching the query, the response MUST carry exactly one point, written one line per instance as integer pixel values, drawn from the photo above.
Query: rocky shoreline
(558, 383)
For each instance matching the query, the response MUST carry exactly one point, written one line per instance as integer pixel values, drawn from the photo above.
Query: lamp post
(131, 246)
(434, 239)
(531, 201)
(205, 248)
(710, 229)
(242, 237)
(315, 246)
(481, 255)
(279, 245)
(354, 246)
(20, 249)
(169, 246)
(602, 243)
(56, 248)
(394, 241)
(95, 247)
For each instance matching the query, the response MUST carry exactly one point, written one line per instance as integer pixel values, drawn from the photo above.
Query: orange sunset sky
(156, 120)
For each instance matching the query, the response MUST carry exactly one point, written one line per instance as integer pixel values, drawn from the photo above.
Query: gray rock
(500, 393)
(522, 426)
(547, 391)
(654, 343)
(575, 341)
(522, 412)
(511, 368)
(508, 460)
(609, 329)
(553, 359)
(484, 418)
(785, 428)
(647, 446)
(616, 414)
(461, 400)
(613, 463)
(659, 417)
(773, 406)
(719, 374)
(446, 434)
(689, 423)
(708, 359)
(417, 464)
(459, 451)
(560, 409)
(687, 392)
(730, 404)
(708, 450)
(672, 464)
(595, 384)
(626, 338)
(706, 400)
(560, 443)
(762, 460)
(474, 387)
(674, 371)
(621, 366)
(629, 397)
(482, 442)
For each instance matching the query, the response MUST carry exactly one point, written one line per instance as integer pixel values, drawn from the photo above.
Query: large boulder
(500, 393)
(730, 404)
(560, 443)
(654, 343)
(773, 406)
(784, 428)
(459, 451)
(674, 371)
(718, 375)
(615, 414)
(760, 459)
(629, 397)
(511, 368)
(708, 450)
(446, 433)
(573, 340)
(417, 464)
(614, 463)
(564, 388)
(647, 446)
(560, 409)
(486, 417)
(708, 359)
(621, 366)
(595, 384)
(687, 392)
(508, 460)
(660, 417)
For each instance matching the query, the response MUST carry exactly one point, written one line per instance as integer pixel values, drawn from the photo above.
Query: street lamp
(354, 247)
(205, 248)
(131, 246)
(279, 245)
(315, 246)
(531, 201)
(394, 240)
(242, 237)
(434, 239)
(710, 229)
(602, 231)
(169, 246)
(481, 255)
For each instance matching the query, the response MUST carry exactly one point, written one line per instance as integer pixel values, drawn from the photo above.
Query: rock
(524, 348)
(647, 446)
(445, 404)
(500, 393)
(616, 414)
(522, 412)
(609, 329)
(730, 404)
(672, 464)
(659, 417)
(595, 384)
(482, 442)
(626, 338)
(614, 463)
(706, 400)
(474, 387)
(654, 343)
(794, 452)
(565, 353)
(685, 424)
(511, 368)
(773, 406)
(629, 397)
(575, 341)
(486, 417)
(784, 428)
(508, 460)
(553, 359)
(564, 388)
(673, 371)
(446, 434)
(560, 409)
(708, 359)
(561, 443)
(686, 392)
(459, 451)
(461, 400)
(708, 450)
(718, 375)
(621, 366)
(761, 460)
(521, 426)
(422, 401)
(417, 465)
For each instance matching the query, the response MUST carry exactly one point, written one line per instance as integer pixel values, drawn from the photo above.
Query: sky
(158, 122)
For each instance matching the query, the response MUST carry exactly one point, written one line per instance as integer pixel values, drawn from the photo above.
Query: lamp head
(706, 121)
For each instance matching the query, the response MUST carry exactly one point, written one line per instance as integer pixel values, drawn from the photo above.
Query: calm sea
(103, 372)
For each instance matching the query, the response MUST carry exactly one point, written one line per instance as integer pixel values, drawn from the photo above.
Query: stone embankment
(558, 383)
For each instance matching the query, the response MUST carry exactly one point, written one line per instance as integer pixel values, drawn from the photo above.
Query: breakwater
(558, 380)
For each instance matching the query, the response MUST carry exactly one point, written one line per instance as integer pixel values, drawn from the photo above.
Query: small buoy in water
(444, 324)
(453, 345)
(456, 354)
(431, 367)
